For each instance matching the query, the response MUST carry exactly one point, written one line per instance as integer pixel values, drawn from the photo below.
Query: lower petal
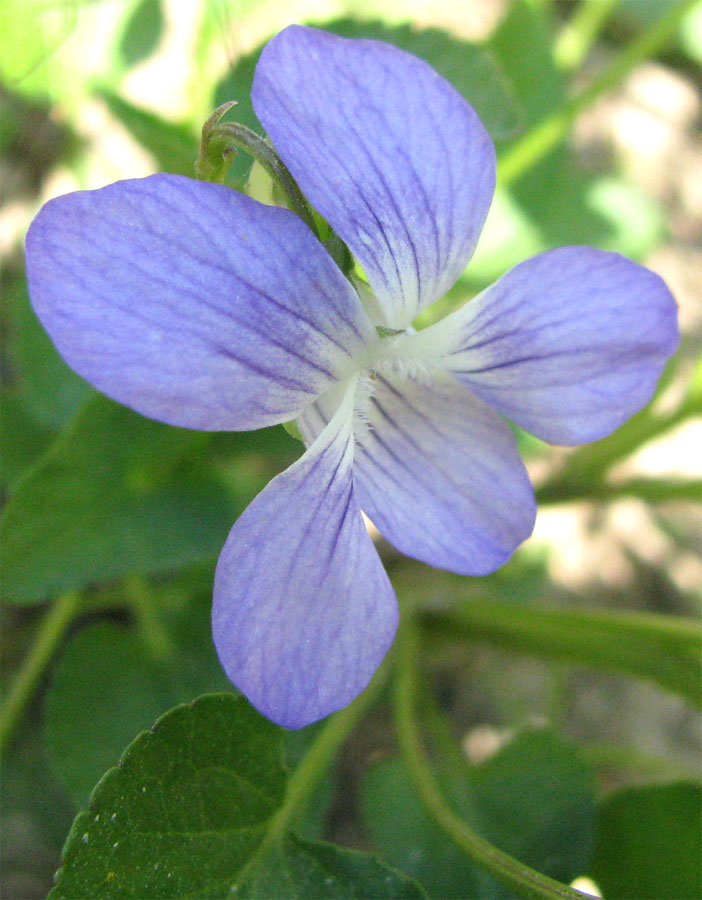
(303, 610)
(438, 472)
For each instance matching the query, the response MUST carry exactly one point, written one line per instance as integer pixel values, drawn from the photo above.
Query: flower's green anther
(221, 140)
(385, 332)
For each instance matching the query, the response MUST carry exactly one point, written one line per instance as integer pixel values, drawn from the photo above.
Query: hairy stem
(220, 139)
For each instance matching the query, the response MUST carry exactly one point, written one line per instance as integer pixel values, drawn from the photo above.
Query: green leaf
(142, 32)
(116, 493)
(39, 392)
(23, 440)
(34, 816)
(534, 799)
(302, 870)
(187, 812)
(32, 33)
(472, 70)
(522, 44)
(50, 390)
(405, 835)
(89, 720)
(186, 808)
(649, 843)
(173, 146)
(664, 649)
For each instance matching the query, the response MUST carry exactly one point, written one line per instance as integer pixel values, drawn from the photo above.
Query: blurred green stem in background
(580, 32)
(47, 640)
(313, 767)
(509, 871)
(145, 611)
(650, 490)
(586, 468)
(627, 759)
(545, 136)
(663, 649)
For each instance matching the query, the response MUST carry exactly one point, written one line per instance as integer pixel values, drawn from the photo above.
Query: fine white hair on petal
(422, 369)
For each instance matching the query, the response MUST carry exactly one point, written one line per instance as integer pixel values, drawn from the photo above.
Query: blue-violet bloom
(200, 307)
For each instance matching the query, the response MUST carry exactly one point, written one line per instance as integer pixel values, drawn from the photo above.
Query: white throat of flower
(396, 356)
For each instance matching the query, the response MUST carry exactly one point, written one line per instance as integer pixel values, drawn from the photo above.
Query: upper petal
(303, 610)
(568, 344)
(387, 150)
(439, 474)
(192, 303)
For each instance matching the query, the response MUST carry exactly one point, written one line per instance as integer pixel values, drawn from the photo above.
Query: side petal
(568, 344)
(303, 610)
(192, 303)
(439, 474)
(387, 151)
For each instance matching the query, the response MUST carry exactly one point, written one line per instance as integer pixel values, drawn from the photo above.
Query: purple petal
(303, 610)
(192, 303)
(568, 344)
(390, 154)
(438, 472)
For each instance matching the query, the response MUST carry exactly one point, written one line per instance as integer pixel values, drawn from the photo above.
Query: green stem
(662, 649)
(545, 136)
(234, 134)
(506, 869)
(152, 632)
(578, 36)
(218, 141)
(626, 759)
(50, 634)
(651, 490)
(314, 764)
(590, 463)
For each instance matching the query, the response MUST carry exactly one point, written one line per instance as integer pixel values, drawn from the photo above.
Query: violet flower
(203, 308)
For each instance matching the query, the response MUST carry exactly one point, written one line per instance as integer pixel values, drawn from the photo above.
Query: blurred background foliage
(566, 737)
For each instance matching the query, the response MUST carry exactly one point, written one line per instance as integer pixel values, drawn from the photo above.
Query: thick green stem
(651, 490)
(662, 649)
(590, 463)
(545, 136)
(509, 871)
(49, 636)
